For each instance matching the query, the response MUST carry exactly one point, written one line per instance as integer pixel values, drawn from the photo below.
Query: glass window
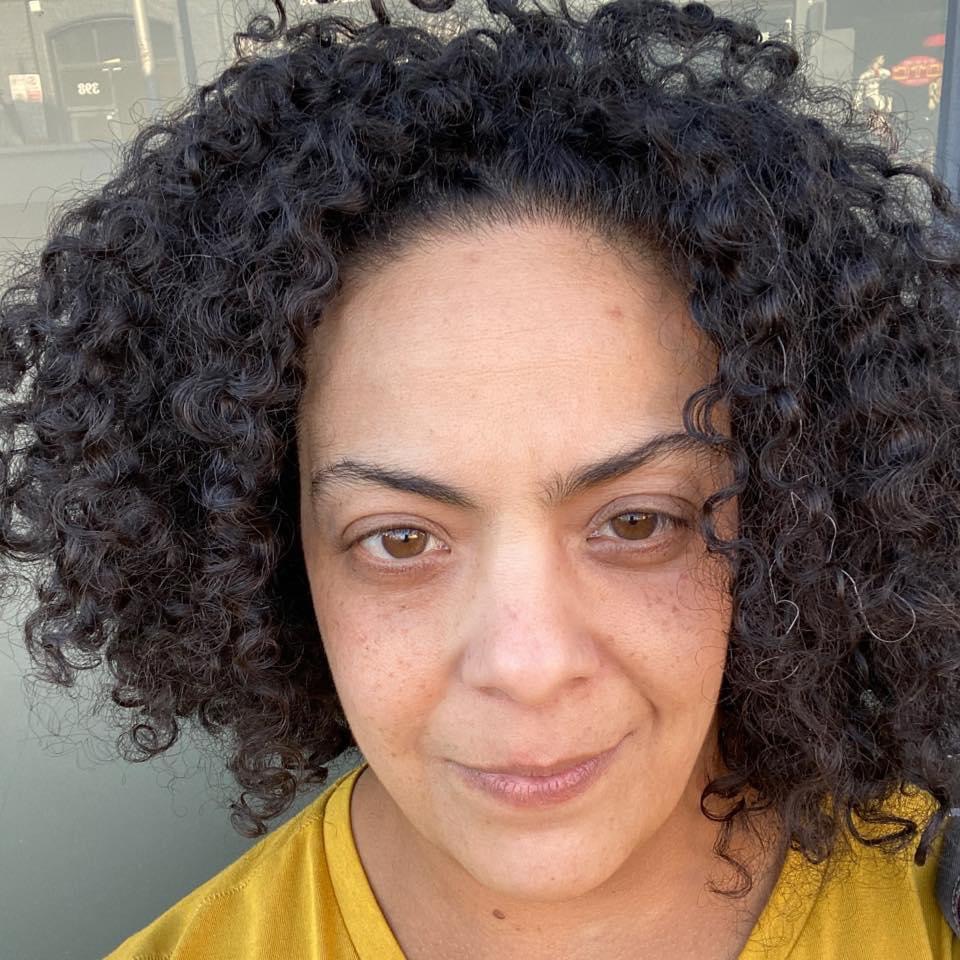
(103, 87)
(74, 45)
(117, 40)
(162, 38)
(889, 53)
(892, 54)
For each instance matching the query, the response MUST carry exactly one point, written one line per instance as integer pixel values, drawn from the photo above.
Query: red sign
(917, 71)
(25, 87)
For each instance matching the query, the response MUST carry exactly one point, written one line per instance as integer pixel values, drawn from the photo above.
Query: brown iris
(634, 525)
(404, 543)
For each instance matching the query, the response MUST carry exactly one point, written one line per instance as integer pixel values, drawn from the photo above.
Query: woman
(562, 412)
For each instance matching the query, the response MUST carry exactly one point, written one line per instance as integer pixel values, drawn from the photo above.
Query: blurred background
(92, 849)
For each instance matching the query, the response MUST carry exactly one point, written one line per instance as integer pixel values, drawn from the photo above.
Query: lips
(538, 785)
(520, 769)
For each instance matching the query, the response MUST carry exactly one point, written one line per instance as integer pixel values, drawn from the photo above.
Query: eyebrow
(558, 489)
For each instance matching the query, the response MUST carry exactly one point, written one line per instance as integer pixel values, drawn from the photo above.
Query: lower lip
(518, 791)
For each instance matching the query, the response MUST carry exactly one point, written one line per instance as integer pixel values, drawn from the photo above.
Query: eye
(639, 525)
(396, 543)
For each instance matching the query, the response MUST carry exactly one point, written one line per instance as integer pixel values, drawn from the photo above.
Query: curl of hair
(152, 359)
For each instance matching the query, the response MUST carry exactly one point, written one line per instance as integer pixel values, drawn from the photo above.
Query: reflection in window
(72, 69)
(891, 55)
(100, 78)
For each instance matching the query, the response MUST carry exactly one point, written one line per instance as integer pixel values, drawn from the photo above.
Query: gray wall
(92, 849)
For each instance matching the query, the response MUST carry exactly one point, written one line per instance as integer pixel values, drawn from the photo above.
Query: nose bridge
(523, 633)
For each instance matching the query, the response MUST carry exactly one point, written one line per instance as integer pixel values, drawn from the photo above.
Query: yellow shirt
(301, 894)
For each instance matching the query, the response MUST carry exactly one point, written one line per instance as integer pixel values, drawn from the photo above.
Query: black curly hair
(152, 359)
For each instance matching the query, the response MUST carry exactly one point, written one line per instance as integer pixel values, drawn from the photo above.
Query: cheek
(680, 644)
(386, 677)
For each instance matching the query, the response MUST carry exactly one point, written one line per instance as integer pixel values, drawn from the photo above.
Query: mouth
(526, 785)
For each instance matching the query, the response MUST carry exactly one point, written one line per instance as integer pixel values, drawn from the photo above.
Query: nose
(524, 630)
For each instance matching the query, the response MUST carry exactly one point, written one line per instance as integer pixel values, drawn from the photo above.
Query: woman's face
(485, 598)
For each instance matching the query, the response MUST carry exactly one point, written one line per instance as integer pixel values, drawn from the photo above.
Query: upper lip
(541, 770)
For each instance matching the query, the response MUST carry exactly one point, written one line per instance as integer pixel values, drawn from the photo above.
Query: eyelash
(671, 521)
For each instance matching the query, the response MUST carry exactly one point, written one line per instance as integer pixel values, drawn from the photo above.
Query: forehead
(519, 336)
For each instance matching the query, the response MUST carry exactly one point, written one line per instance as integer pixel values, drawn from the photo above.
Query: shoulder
(244, 910)
(864, 904)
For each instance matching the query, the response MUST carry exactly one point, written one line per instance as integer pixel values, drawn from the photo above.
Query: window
(101, 81)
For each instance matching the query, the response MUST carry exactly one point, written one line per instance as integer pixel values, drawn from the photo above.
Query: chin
(539, 877)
